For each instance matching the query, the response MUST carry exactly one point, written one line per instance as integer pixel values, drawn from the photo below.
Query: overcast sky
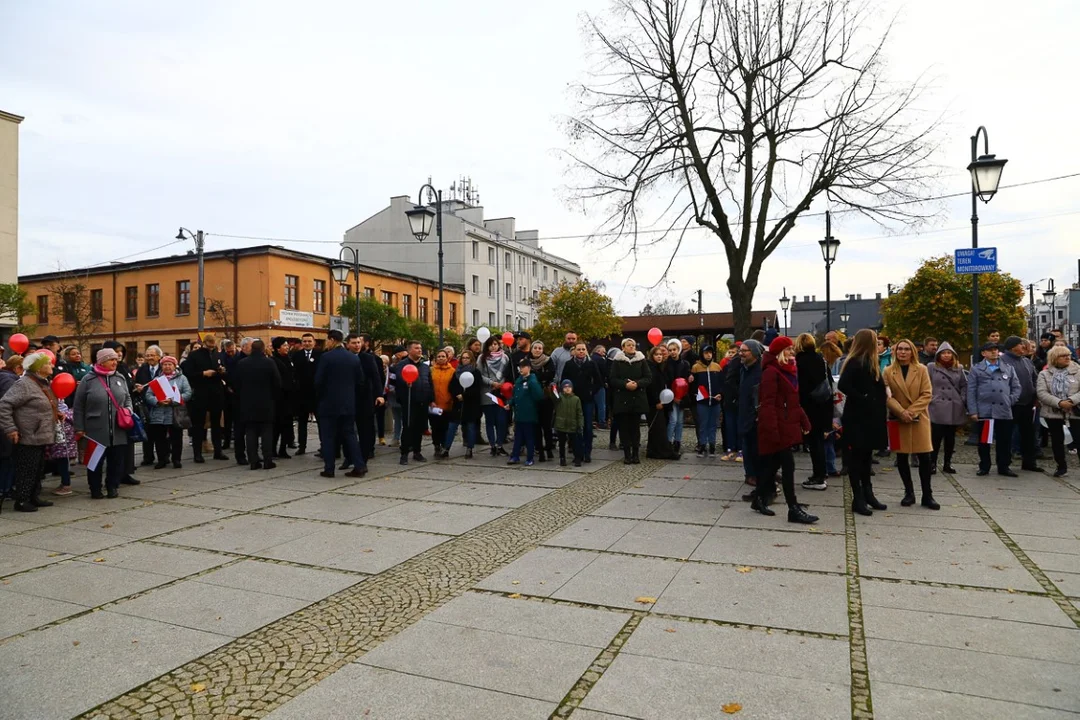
(285, 120)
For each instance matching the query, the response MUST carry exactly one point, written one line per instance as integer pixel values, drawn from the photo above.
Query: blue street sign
(972, 261)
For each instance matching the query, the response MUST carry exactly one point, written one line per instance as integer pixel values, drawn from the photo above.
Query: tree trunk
(742, 296)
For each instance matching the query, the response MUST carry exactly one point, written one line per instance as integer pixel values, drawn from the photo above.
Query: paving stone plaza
(474, 590)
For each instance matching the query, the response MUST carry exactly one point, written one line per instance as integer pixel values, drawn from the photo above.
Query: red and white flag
(497, 400)
(894, 433)
(164, 390)
(701, 394)
(92, 454)
(986, 434)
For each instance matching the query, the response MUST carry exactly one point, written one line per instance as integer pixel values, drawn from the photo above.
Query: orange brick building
(258, 291)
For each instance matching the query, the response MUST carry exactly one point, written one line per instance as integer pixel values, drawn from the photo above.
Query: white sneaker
(815, 484)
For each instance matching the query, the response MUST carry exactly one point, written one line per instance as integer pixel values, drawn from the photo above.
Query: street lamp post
(1050, 296)
(829, 246)
(985, 172)
(785, 302)
(341, 270)
(197, 236)
(420, 218)
(844, 317)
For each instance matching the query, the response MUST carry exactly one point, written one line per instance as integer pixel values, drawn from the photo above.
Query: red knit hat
(777, 346)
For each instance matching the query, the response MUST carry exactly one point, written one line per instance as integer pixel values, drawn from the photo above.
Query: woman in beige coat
(1058, 390)
(909, 390)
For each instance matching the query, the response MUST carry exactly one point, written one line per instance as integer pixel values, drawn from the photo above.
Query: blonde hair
(864, 348)
(911, 345)
(805, 341)
(1054, 353)
(831, 352)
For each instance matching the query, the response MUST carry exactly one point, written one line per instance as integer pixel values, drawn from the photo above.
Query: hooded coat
(911, 393)
(707, 376)
(625, 368)
(948, 406)
(781, 420)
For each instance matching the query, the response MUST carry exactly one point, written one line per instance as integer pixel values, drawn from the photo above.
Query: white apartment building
(9, 204)
(501, 268)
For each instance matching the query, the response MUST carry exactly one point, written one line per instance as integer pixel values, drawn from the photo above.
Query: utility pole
(197, 236)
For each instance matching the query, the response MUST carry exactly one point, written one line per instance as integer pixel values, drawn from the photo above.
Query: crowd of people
(767, 398)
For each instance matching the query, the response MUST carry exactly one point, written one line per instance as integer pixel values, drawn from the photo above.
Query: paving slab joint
(861, 701)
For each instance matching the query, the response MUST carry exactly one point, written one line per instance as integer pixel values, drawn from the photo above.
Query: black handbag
(823, 393)
(181, 417)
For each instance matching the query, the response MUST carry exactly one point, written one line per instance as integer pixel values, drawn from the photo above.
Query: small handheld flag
(497, 400)
(986, 434)
(701, 395)
(92, 454)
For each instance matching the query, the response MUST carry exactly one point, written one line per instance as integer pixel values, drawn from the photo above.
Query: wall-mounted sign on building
(296, 318)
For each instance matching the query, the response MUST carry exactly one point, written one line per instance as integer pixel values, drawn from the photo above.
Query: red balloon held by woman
(680, 387)
(508, 338)
(409, 373)
(507, 390)
(655, 336)
(18, 343)
(63, 385)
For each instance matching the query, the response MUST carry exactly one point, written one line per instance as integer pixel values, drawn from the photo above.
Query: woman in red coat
(781, 424)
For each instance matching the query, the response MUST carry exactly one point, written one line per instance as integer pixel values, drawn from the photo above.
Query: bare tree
(79, 309)
(668, 306)
(222, 315)
(735, 115)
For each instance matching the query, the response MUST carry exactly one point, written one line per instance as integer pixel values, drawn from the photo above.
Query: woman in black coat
(658, 447)
(466, 411)
(544, 370)
(812, 372)
(864, 417)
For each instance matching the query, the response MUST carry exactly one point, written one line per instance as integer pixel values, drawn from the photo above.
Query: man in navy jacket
(414, 401)
(337, 375)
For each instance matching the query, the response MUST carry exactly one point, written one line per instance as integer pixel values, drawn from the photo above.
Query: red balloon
(409, 373)
(680, 387)
(655, 336)
(508, 338)
(49, 354)
(507, 390)
(18, 343)
(63, 385)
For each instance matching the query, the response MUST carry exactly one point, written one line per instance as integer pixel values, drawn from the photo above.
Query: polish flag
(986, 435)
(164, 390)
(701, 394)
(497, 400)
(555, 390)
(92, 454)
(894, 433)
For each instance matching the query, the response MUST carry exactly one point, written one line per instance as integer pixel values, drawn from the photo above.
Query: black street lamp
(1050, 295)
(197, 236)
(829, 246)
(341, 270)
(985, 172)
(420, 218)
(844, 317)
(785, 301)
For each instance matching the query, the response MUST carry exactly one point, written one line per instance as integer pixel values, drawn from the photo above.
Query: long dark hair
(485, 353)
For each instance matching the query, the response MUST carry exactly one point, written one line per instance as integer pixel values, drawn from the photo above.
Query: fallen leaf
(368, 550)
(780, 545)
(998, 567)
(888, 514)
(685, 477)
(99, 559)
(75, 642)
(515, 596)
(645, 600)
(669, 630)
(814, 529)
(107, 525)
(53, 555)
(198, 687)
(1009, 590)
(907, 562)
(731, 708)
(515, 582)
(639, 486)
(744, 569)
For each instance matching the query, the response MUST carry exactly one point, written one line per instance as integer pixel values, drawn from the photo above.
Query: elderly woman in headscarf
(29, 413)
(164, 432)
(102, 402)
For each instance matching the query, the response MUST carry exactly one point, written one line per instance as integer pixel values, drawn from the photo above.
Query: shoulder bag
(824, 391)
(125, 419)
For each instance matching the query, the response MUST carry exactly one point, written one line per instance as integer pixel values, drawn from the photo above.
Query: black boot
(468, 453)
(909, 487)
(562, 459)
(868, 496)
(797, 514)
(928, 496)
(628, 458)
(677, 447)
(761, 504)
(637, 455)
(947, 465)
(858, 502)
(712, 450)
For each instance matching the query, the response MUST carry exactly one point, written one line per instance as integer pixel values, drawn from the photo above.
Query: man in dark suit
(257, 384)
(372, 397)
(588, 381)
(337, 375)
(305, 361)
(239, 432)
(415, 400)
(205, 373)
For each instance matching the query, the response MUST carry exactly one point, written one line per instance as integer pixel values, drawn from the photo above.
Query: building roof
(691, 323)
(189, 257)
(864, 312)
(12, 117)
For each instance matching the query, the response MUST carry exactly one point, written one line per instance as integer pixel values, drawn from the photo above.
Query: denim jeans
(587, 409)
(708, 419)
(524, 433)
(675, 424)
(830, 455)
(495, 421)
(600, 402)
(468, 434)
(63, 466)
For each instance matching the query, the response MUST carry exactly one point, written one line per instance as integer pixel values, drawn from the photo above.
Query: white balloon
(666, 396)
(483, 334)
(466, 380)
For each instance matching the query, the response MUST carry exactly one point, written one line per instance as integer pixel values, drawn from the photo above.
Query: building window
(406, 306)
(545, 273)
(43, 309)
(69, 307)
(369, 293)
(476, 284)
(183, 297)
(555, 276)
(292, 292)
(148, 343)
(491, 319)
(491, 256)
(131, 302)
(509, 321)
(535, 266)
(131, 350)
(318, 296)
(97, 304)
(387, 298)
(475, 250)
(491, 288)
(181, 345)
(344, 293)
(153, 300)
(421, 305)
(535, 296)
(509, 292)
(521, 292)
(453, 315)
(506, 262)
(475, 317)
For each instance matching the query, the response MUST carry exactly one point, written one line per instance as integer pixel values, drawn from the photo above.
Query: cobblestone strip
(1036, 572)
(596, 671)
(862, 707)
(254, 674)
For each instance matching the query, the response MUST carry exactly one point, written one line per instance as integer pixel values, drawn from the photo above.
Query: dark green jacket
(569, 416)
(526, 399)
(623, 370)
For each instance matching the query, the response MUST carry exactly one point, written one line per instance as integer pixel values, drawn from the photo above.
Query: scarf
(538, 362)
(102, 371)
(790, 372)
(1059, 383)
(495, 354)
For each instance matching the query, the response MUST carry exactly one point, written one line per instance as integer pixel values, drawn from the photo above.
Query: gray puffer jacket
(28, 408)
(949, 404)
(992, 393)
(163, 414)
(1048, 402)
(95, 414)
